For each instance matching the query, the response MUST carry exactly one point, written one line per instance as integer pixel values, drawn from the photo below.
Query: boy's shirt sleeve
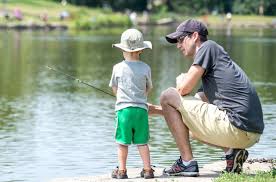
(113, 80)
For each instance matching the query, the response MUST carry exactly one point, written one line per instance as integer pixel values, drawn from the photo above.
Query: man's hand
(155, 109)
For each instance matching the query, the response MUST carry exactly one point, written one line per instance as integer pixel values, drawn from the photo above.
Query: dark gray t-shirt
(226, 85)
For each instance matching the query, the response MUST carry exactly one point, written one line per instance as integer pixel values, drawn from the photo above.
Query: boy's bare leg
(145, 155)
(170, 101)
(122, 156)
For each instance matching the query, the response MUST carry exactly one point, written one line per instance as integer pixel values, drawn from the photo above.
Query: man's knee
(168, 95)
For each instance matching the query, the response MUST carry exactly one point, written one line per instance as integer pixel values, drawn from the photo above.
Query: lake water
(51, 126)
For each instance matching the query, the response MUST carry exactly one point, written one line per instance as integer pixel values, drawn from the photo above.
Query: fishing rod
(78, 80)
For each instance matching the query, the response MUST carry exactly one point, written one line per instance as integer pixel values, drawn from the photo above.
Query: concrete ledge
(207, 174)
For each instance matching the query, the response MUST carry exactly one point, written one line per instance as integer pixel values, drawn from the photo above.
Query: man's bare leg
(170, 100)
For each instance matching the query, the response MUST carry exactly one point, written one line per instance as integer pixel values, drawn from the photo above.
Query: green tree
(270, 7)
(121, 5)
(246, 6)
(187, 7)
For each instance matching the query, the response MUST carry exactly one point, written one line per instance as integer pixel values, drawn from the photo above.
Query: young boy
(131, 82)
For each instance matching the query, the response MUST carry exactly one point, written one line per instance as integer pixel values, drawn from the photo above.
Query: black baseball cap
(185, 28)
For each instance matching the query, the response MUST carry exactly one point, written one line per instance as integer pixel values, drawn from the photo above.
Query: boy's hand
(155, 109)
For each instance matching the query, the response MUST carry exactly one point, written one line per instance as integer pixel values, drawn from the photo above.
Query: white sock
(186, 163)
(229, 152)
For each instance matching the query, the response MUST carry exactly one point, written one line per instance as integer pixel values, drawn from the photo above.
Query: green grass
(239, 20)
(95, 18)
(220, 20)
(259, 177)
(80, 17)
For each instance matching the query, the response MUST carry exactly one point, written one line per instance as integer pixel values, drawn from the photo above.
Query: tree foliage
(186, 7)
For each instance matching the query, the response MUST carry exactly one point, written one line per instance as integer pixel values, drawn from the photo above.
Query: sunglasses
(180, 39)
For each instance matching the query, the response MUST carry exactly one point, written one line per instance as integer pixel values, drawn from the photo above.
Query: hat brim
(146, 45)
(172, 38)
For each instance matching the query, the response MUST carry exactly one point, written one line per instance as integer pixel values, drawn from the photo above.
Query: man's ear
(195, 36)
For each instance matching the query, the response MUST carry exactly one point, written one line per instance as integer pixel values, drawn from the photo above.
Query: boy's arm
(113, 83)
(114, 89)
(155, 109)
(148, 90)
(149, 82)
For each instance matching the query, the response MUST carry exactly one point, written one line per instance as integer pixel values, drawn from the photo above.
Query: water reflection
(54, 127)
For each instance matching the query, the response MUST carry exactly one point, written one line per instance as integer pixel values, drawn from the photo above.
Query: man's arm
(191, 78)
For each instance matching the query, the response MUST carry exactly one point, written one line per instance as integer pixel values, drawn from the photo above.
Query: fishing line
(78, 80)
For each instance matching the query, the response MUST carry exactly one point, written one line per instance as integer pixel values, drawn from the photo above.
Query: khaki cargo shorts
(210, 125)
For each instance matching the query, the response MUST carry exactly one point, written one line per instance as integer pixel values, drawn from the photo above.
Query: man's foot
(119, 174)
(147, 173)
(235, 160)
(179, 169)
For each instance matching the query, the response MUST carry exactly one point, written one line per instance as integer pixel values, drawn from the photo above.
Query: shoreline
(64, 27)
(206, 174)
(21, 27)
(34, 15)
(213, 25)
(222, 24)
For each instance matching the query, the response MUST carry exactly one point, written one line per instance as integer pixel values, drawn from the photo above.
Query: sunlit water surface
(51, 126)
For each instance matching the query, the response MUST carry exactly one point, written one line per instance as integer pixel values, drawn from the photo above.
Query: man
(228, 114)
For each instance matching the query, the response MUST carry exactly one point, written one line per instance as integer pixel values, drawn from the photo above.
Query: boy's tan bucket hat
(132, 40)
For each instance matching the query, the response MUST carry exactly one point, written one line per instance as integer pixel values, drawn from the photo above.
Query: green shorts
(132, 126)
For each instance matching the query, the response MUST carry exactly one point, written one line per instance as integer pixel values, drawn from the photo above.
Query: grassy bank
(39, 12)
(44, 12)
(242, 21)
(219, 21)
(259, 177)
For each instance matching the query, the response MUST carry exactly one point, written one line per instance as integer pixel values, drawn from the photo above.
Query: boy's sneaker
(235, 160)
(147, 173)
(179, 169)
(119, 174)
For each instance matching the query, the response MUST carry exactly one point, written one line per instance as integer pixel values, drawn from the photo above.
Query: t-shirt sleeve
(113, 80)
(204, 57)
(149, 82)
